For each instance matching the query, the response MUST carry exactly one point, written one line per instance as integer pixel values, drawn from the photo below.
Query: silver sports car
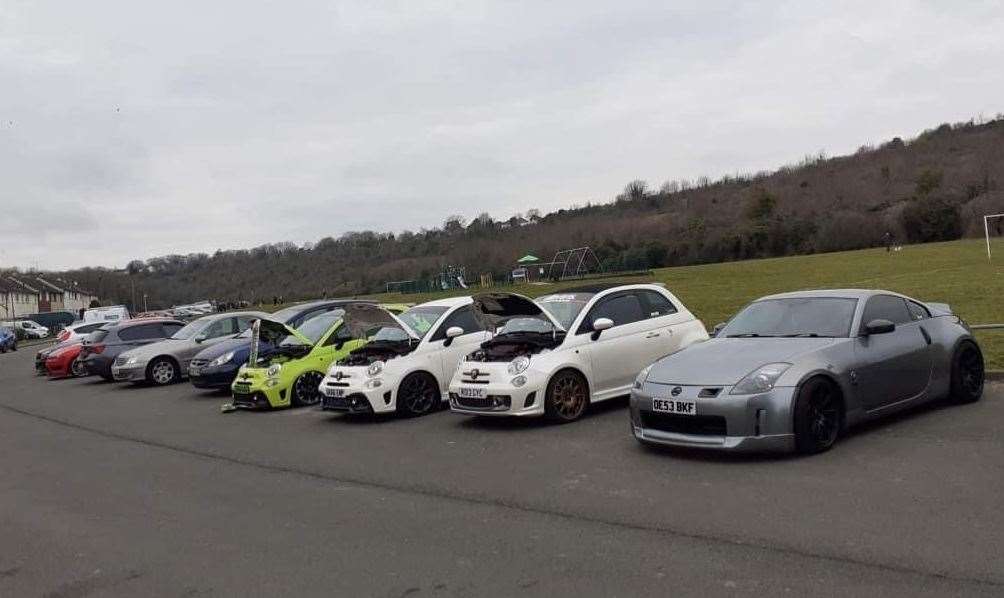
(789, 372)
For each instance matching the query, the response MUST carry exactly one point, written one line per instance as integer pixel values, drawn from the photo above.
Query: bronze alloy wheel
(305, 389)
(567, 396)
(417, 395)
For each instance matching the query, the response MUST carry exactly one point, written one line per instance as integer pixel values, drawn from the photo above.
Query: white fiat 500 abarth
(409, 360)
(556, 355)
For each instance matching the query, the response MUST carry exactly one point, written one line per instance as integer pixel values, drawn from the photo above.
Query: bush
(931, 220)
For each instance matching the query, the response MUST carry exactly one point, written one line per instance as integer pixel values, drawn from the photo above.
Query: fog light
(373, 383)
(271, 383)
(519, 381)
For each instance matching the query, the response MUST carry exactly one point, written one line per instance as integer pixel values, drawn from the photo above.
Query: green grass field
(956, 273)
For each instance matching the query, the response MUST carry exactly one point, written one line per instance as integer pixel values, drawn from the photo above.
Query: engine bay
(506, 347)
(378, 351)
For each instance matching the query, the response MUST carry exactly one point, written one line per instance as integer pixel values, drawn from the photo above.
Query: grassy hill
(954, 272)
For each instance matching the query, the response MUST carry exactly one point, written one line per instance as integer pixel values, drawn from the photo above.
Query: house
(50, 296)
(74, 297)
(16, 299)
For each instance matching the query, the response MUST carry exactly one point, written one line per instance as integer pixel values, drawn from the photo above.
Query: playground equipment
(572, 263)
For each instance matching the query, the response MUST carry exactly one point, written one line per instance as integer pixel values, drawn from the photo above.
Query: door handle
(652, 335)
(927, 336)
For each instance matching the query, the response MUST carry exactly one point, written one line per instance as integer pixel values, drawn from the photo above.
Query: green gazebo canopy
(526, 259)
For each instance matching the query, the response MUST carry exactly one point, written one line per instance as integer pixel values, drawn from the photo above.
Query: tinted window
(622, 309)
(89, 328)
(141, 332)
(243, 323)
(796, 316)
(463, 317)
(222, 328)
(565, 307)
(886, 307)
(171, 327)
(917, 311)
(657, 304)
(339, 336)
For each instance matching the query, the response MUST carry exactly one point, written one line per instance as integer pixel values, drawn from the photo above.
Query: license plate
(674, 406)
(241, 390)
(335, 392)
(193, 371)
(472, 393)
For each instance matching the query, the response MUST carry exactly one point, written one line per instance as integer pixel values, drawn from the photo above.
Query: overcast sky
(135, 129)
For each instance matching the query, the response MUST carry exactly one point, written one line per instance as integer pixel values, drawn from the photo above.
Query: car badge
(676, 391)
(339, 375)
(475, 373)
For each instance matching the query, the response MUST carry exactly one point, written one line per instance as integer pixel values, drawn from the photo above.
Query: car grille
(241, 388)
(489, 403)
(199, 363)
(482, 377)
(120, 361)
(697, 425)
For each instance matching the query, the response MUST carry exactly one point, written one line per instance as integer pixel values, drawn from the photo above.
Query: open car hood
(361, 318)
(492, 310)
(272, 332)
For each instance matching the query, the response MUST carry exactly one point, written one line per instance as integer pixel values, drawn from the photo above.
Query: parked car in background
(407, 365)
(62, 361)
(216, 366)
(559, 354)
(8, 339)
(166, 361)
(100, 348)
(78, 331)
(290, 363)
(111, 313)
(790, 372)
(29, 329)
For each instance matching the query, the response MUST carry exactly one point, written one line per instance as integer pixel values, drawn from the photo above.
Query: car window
(340, 335)
(463, 317)
(88, 328)
(243, 323)
(918, 311)
(222, 328)
(171, 327)
(140, 332)
(623, 308)
(886, 307)
(656, 304)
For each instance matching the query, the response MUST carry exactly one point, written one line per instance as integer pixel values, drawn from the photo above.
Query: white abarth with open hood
(408, 362)
(556, 355)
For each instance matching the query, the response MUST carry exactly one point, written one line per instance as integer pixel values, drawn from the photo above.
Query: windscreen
(515, 325)
(419, 319)
(800, 316)
(189, 330)
(314, 328)
(564, 307)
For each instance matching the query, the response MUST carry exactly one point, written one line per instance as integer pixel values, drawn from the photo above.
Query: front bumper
(58, 368)
(211, 377)
(97, 365)
(253, 389)
(493, 393)
(350, 393)
(129, 373)
(760, 422)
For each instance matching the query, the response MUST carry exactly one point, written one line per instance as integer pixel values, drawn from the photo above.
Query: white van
(112, 313)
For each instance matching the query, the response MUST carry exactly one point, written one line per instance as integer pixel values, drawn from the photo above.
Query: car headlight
(642, 376)
(225, 358)
(273, 370)
(374, 369)
(518, 365)
(132, 361)
(761, 379)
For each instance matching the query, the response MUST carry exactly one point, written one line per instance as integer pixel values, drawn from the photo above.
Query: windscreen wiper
(751, 335)
(807, 335)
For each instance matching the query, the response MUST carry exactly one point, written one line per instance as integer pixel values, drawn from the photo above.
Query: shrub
(931, 219)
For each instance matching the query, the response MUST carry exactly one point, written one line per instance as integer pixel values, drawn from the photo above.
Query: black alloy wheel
(306, 389)
(968, 374)
(418, 395)
(818, 416)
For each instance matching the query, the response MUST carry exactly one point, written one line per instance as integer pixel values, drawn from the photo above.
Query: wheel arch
(167, 356)
(829, 377)
(571, 368)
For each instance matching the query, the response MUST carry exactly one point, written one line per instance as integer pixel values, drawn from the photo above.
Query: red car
(63, 363)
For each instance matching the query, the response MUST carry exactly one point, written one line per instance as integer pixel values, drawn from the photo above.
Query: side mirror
(199, 338)
(601, 324)
(879, 326)
(451, 333)
(718, 328)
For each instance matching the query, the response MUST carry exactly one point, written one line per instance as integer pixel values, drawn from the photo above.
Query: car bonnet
(361, 318)
(492, 310)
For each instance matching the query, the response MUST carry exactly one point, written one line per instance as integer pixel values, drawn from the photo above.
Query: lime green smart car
(286, 366)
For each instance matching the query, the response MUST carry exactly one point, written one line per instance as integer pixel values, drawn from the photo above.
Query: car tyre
(305, 390)
(162, 371)
(567, 397)
(418, 394)
(819, 416)
(78, 369)
(968, 374)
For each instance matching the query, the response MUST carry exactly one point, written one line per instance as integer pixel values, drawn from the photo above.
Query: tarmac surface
(118, 490)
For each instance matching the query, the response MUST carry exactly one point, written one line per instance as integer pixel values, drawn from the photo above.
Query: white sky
(135, 129)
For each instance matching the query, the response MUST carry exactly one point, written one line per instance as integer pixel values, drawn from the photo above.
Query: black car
(100, 349)
(216, 366)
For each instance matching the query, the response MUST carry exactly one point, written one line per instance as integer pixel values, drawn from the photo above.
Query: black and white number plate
(674, 406)
(335, 392)
(472, 392)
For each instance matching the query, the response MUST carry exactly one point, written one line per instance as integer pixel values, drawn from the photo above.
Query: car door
(452, 350)
(618, 353)
(895, 366)
(660, 337)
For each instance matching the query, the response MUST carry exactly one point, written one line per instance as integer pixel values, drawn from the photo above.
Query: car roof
(596, 289)
(447, 302)
(835, 293)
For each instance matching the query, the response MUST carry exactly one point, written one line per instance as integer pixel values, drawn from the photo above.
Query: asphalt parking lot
(114, 490)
